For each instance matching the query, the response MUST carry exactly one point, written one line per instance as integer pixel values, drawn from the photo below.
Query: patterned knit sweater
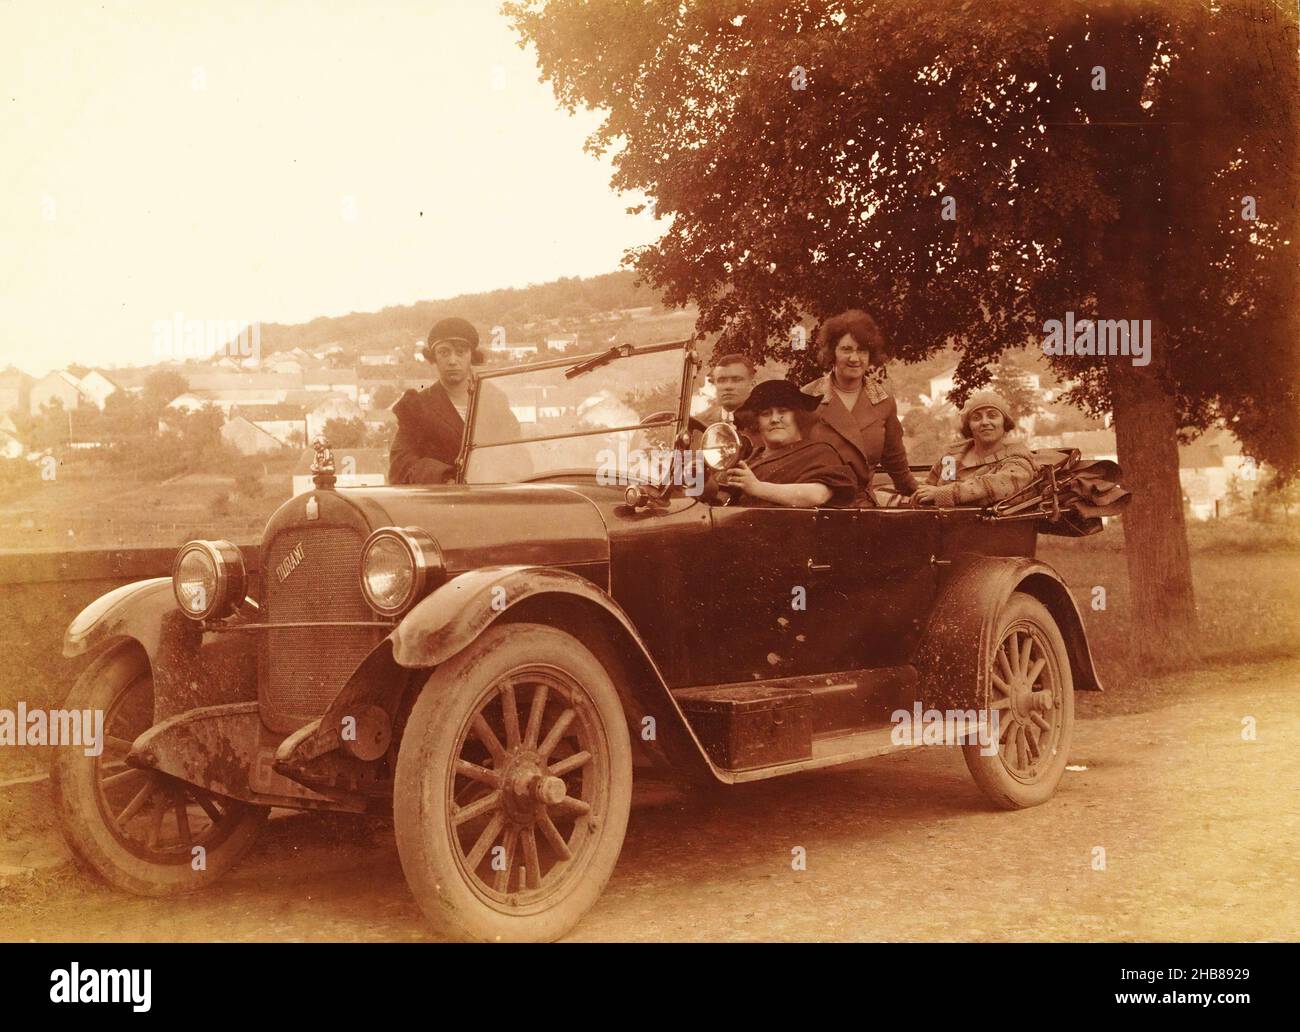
(965, 478)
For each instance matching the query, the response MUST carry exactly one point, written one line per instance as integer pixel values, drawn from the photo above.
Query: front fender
(460, 610)
(954, 657)
(134, 610)
(191, 668)
(452, 618)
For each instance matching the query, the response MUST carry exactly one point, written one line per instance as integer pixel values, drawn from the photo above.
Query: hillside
(526, 313)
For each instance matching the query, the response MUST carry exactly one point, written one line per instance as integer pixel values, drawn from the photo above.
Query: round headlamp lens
(196, 582)
(388, 574)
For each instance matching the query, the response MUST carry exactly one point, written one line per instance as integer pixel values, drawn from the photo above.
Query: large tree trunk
(1162, 608)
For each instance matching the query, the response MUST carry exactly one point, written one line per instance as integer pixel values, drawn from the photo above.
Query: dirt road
(1200, 830)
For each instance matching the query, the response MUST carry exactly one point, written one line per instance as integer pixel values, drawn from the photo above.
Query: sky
(233, 160)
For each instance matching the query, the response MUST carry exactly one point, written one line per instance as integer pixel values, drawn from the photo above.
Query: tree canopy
(970, 172)
(801, 155)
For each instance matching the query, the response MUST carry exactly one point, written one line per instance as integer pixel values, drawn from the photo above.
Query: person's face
(733, 384)
(986, 426)
(851, 360)
(778, 427)
(452, 358)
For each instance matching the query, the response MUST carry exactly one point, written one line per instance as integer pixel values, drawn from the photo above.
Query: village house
(15, 389)
(95, 387)
(342, 381)
(227, 390)
(59, 386)
(286, 423)
(512, 352)
(282, 364)
(247, 438)
(333, 407)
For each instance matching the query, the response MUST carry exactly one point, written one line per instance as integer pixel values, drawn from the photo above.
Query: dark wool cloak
(807, 462)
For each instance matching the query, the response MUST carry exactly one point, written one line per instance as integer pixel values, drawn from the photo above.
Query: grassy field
(89, 511)
(1247, 583)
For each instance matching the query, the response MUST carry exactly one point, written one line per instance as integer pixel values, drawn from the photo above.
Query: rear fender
(954, 657)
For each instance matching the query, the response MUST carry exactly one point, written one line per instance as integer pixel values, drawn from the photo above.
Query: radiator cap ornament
(322, 467)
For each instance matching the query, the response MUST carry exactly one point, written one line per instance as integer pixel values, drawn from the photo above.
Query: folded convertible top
(1069, 496)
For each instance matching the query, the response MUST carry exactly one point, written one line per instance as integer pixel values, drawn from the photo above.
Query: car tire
(1031, 690)
(486, 804)
(118, 820)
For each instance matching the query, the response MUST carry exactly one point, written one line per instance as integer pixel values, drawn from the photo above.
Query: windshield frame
(690, 368)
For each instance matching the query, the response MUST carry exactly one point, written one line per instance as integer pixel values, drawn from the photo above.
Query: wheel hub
(529, 788)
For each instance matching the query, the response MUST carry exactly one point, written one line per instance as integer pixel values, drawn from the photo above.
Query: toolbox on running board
(744, 726)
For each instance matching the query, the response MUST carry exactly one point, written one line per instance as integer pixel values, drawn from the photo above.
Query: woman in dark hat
(790, 469)
(431, 422)
(859, 418)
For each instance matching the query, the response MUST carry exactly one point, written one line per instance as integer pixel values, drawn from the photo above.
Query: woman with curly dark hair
(859, 418)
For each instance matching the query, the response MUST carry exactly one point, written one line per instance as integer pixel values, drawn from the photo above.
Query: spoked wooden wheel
(142, 831)
(157, 817)
(1031, 697)
(513, 786)
(525, 797)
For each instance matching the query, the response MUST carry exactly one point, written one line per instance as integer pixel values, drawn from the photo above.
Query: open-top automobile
(490, 660)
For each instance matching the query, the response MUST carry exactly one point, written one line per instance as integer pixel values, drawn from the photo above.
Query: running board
(830, 751)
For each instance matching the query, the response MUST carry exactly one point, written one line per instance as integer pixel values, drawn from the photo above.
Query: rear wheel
(141, 830)
(514, 781)
(1031, 695)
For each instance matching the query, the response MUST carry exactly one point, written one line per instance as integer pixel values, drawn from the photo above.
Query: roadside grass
(86, 510)
(1248, 601)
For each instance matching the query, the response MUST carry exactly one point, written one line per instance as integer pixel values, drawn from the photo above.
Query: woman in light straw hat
(984, 466)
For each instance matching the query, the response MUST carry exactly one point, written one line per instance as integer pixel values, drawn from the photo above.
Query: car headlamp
(209, 579)
(397, 566)
(721, 446)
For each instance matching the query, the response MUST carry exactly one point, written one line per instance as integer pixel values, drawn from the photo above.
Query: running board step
(830, 751)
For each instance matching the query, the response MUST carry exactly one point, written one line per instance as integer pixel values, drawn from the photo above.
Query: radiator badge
(289, 563)
(313, 508)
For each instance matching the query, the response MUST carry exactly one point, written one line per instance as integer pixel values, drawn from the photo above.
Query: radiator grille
(304, 667)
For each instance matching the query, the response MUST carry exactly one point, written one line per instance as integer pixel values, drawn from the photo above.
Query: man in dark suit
(732, 377)
(431, 422)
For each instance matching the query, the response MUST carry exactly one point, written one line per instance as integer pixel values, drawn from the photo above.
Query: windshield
(539, 422)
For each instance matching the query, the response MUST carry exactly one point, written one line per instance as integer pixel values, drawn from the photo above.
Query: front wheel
(1031, 695)
(513, 786)
(141, 830)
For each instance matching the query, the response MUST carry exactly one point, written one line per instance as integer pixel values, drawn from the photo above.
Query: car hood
(530, 524)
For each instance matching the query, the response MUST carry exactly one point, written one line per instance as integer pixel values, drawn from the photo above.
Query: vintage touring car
(488, 660)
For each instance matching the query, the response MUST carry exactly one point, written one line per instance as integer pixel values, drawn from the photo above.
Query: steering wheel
(691, 421)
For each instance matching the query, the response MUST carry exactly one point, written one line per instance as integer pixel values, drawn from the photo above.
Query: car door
(876, 576)
(760, 593)
(811, 591)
